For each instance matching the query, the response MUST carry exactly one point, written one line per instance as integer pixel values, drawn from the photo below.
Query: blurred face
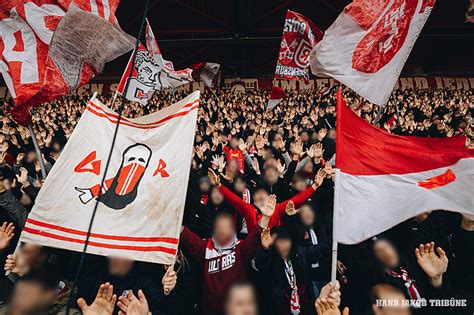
(241, 301)
(271, 175)
(386, 254)
(307, 215)
(283, 247)
(224, 230)
(304, 136)
(331, 134)
(260, 197)
(216, 196)
(240, 185)
(299, 184)
(30, 298)
(234, 143)
(120, 267)
(233, 166)
(204, 186)
(32, 255)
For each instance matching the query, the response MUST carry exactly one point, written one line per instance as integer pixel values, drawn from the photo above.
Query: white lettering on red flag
(369, 43)
(142, 201)
(299, 37)
(26, 32)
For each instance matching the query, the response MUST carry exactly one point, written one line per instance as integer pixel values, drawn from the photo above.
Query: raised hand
(269, 208)
(131, 305)
(23, 176)
(280, 168)
(242, 145)
(256, 166)
(169, 280)
(290, 208)
(330, 173)
(317, 150)
(6, 235)
(298, 148)
(318, 179)
(266, 239)
(103, 304)
(433, 265)
(215, 180)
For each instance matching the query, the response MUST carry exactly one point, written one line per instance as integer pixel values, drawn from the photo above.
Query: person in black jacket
(301, 224)
(284, 266)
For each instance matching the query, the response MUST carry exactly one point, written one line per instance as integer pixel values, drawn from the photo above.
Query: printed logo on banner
(122, 189)
(302, 54)
(380, 45)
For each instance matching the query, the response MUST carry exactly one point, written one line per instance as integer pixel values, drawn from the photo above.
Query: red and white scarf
(295, 307)
(409, 283)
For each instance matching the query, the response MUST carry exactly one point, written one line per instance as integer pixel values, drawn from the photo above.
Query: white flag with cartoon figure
(141, 203)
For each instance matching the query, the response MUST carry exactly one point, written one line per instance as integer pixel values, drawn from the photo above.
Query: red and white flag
(37, 66)
(142, 201)
(151, 72)
(369, 43)
(205, 71)
(300, 35)
(277, 95)
(383, 179)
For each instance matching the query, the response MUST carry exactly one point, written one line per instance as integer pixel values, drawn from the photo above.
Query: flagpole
(396, 109)
(379, 115)
(38, 151)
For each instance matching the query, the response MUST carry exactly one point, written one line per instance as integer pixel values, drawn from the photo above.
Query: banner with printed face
(141, 203)
(298, 39)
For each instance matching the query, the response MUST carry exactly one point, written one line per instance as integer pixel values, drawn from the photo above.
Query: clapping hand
(103, 304)
(131, 305)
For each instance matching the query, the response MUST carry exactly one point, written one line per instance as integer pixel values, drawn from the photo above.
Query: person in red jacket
(233, 152)
(224, 259)
(250, 211)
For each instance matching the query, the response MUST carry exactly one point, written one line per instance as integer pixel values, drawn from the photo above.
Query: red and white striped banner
(141, 203)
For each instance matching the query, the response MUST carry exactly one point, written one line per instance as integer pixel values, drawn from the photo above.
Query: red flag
(368, 44)
(384, 179)
(300, 35)
(205, 71)
(275, 97)
(38, 66)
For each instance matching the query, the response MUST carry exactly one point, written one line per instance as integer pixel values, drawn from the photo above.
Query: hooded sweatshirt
(221, 265)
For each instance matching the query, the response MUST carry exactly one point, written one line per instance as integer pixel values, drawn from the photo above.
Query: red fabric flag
(299, 37)
(37, 66)
(275, 97)
(383, 179)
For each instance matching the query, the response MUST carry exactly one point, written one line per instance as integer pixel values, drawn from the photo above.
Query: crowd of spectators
(256, 236)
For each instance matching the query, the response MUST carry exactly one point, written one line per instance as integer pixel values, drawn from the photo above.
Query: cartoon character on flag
(121, 190)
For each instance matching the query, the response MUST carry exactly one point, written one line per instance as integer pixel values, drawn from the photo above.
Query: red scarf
(409, 283)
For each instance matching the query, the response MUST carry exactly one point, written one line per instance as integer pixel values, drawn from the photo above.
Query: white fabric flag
(383, 179)
(142, 201)
(369, 43)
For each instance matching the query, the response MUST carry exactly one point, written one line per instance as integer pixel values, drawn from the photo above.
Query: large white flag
(142, 201)
(383, 179)
(369, 43)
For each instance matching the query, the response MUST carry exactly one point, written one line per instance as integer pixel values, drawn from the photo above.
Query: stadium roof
(244, 35)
